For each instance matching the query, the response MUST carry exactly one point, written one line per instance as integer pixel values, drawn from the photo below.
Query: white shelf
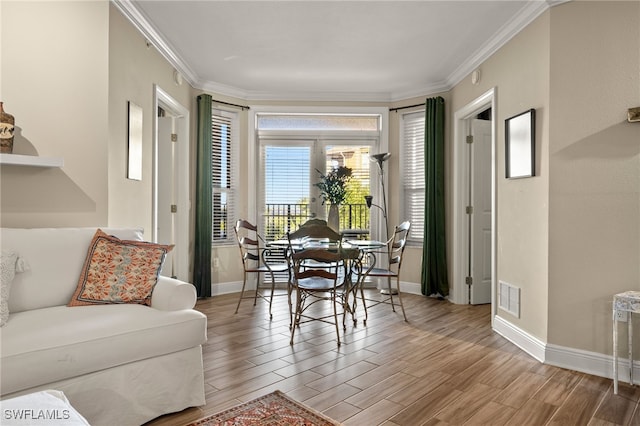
(31, 160)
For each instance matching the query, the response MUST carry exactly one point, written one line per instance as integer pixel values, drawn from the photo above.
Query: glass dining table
(353, 252)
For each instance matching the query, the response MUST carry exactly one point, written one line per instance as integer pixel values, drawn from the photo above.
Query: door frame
(162, 99)
(461, 191)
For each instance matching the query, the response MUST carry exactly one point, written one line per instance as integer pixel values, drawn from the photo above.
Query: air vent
(510, 298)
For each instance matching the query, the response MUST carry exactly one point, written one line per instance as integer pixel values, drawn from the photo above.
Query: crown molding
(530, 12)
(429, 90)
(142, 24)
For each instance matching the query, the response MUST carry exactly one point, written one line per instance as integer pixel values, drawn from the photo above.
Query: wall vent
(510, 298)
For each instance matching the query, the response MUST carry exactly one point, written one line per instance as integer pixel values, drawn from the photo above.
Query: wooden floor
(445, 366)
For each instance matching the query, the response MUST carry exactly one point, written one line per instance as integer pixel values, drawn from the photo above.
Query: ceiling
(328, 50)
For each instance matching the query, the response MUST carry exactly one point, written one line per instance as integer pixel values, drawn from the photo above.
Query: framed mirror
(520, 142)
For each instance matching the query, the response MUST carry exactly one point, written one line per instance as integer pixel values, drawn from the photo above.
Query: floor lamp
(380, 159)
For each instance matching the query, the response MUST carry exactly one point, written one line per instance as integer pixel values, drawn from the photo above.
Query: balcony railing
(279, 219)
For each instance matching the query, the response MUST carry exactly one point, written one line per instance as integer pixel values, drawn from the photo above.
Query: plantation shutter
(412, 138)
(223, 177)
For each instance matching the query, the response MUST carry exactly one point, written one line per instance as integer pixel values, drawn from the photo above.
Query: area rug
(274, 409)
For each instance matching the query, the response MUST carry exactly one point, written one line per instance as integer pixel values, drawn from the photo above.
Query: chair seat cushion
(380, 272)
(277, 267)
(317, 284)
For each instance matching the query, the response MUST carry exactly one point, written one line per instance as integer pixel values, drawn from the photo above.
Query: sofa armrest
(171, 294)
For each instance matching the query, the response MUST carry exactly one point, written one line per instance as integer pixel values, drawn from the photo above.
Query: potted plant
(333, 190)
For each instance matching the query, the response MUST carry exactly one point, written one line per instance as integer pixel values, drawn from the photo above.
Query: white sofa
(118, 364)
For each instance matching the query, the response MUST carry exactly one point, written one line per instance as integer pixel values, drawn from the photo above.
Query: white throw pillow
(7, 272)
(10, 263)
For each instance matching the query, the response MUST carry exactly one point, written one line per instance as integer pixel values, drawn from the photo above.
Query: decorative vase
(334, 217)
(6, 131)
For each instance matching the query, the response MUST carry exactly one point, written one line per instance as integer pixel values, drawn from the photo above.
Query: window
(295, 147)
(413, 185)
(223, 175)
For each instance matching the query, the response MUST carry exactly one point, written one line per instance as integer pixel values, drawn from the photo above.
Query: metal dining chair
(318, 275)
(393, 256)
(253, 252)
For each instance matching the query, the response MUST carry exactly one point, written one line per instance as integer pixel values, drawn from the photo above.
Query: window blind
(223, 175)
(412, 139)
(286, 188)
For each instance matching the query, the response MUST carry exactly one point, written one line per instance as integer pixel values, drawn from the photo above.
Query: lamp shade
(368, 199)
(379, 158)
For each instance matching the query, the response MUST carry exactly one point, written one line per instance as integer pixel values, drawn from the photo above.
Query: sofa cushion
(51, 344)
(55, 257)
(119, 271)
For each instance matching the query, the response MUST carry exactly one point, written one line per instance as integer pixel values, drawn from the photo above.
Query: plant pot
(334, 217)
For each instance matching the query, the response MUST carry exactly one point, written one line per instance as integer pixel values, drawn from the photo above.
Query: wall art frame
(520, 145)
(134, 142)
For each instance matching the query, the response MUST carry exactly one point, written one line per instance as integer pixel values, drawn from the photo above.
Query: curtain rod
(405, 107)
(230, 104)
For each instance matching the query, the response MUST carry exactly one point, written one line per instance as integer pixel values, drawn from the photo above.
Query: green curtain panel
(434, 260)
(203, 226)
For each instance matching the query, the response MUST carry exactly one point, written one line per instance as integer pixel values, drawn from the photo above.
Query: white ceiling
(328, 50)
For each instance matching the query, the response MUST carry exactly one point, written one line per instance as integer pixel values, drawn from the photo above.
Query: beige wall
(54, 80)
(519, 72)
(134, 68)
(570, 237)
(68, 70)
(594, 215)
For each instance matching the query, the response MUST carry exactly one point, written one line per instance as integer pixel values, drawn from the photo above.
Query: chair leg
(393, 307)
(335, 317)
(400, 298)
(244, 282)
(344, 301)
(364, 303)
(273, 288)
(289, 292)
(255, 297)
(296, 315)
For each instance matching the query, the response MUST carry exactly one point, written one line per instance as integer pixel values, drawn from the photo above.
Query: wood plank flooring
(445, 366)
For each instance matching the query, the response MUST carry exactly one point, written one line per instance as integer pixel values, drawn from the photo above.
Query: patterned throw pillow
(119, 271)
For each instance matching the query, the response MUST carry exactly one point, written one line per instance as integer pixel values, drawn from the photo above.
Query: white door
(171, 183)
(480, 218)
(165, 227)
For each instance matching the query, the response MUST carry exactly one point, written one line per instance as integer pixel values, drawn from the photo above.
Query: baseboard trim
(530, 344)
(588, 362)
(218, 289)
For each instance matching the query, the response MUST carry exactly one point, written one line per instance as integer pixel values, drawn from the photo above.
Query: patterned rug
(274, 409)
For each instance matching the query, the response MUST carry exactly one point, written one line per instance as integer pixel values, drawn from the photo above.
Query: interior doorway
(479, 228)
(171, 203)
(474, 230)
